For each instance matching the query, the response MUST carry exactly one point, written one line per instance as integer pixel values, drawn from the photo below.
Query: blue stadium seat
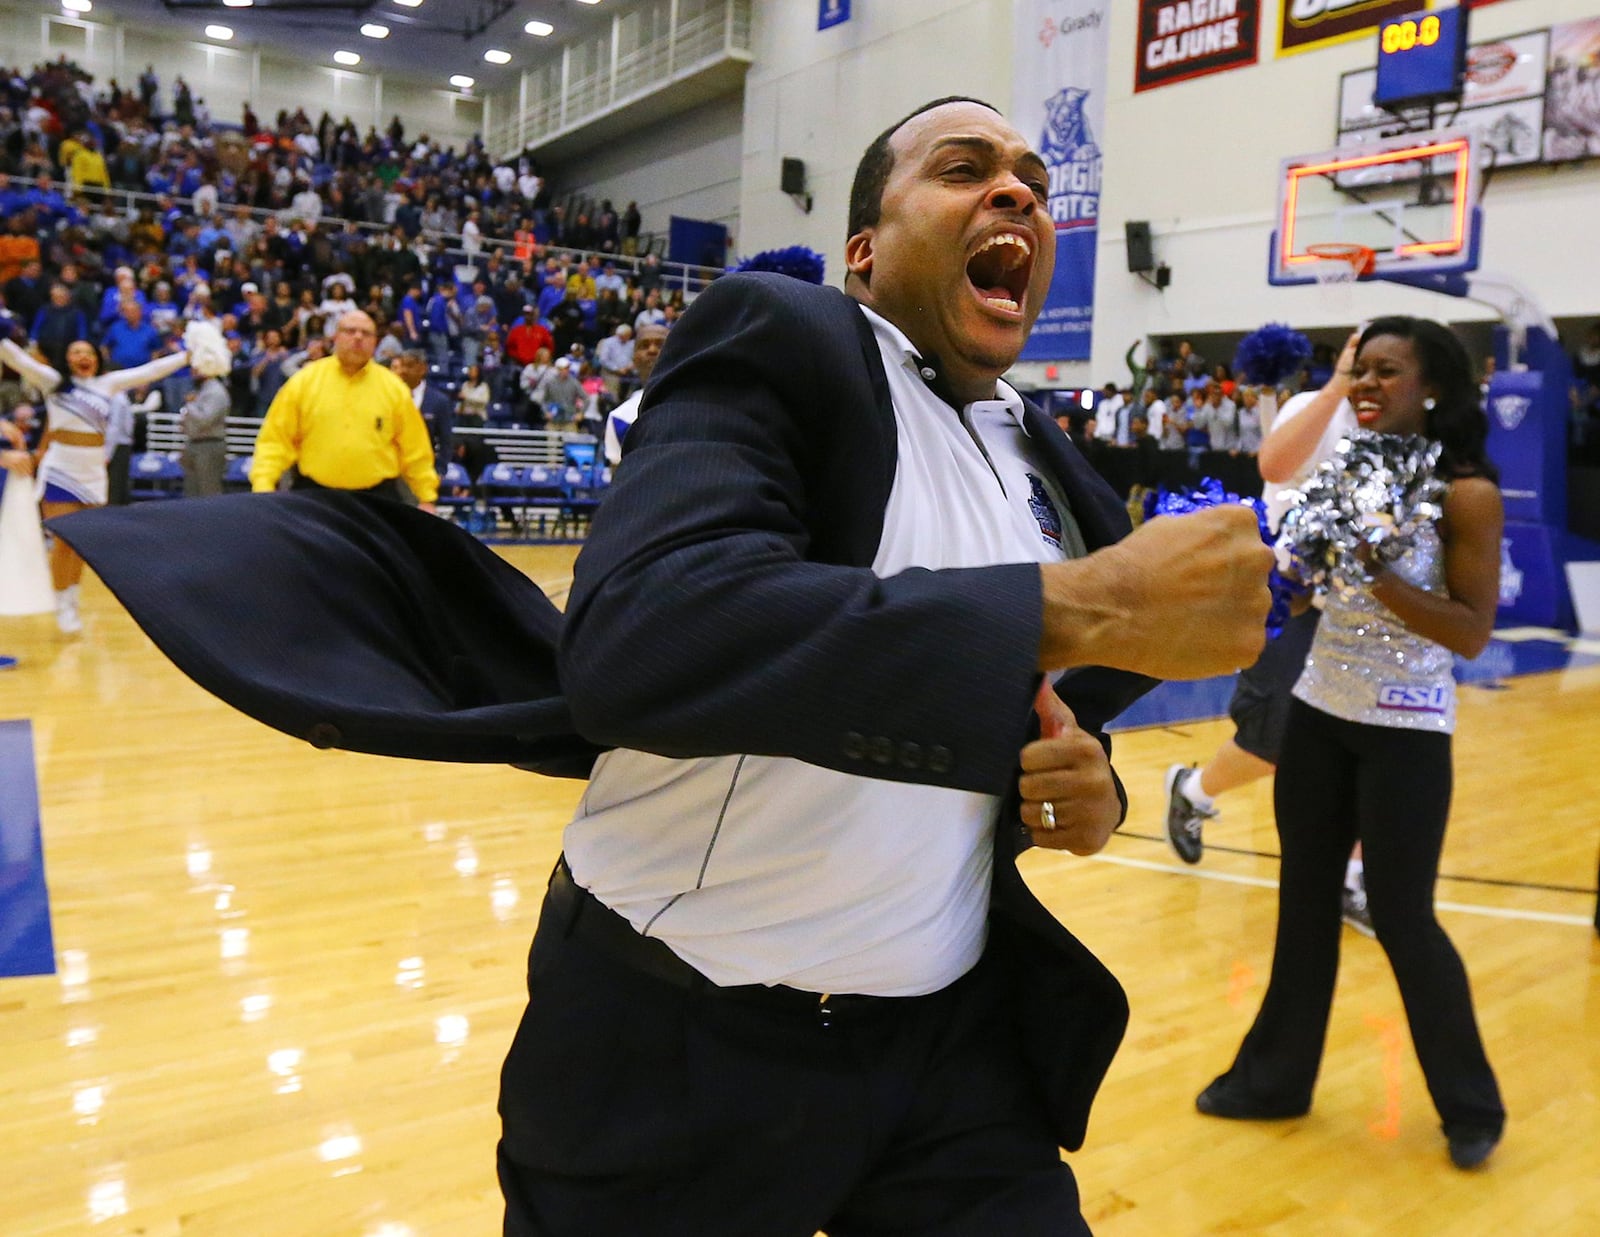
(546, 496)
(154, 474)
(456, 478)
(579, 485)
(515, 493)
(236, 476)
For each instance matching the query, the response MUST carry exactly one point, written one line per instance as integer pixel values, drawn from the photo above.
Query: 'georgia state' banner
(1060, 105)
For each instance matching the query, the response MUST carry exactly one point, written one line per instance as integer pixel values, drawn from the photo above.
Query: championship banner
(1307, 24)
(1060, 102)
(1180, 39)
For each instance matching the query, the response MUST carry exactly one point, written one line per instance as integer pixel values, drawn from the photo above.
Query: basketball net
(1338, 268)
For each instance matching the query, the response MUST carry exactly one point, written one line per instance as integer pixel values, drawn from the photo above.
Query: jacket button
(910, 755)
(855, 747)
(940, 760)
(881, 750)
(324, 735)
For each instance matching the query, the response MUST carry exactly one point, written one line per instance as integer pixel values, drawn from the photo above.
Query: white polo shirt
(758, 869)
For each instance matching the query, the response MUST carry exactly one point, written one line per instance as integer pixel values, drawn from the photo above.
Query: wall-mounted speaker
(1140, 257)
(792, 179)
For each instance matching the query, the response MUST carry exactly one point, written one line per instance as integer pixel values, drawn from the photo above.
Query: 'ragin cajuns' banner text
(1060, 105)
(1304, 24)
(1180, 39)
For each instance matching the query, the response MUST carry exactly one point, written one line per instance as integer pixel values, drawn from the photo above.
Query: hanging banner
(1180, 39)
(1305, 24)
(1060, 103)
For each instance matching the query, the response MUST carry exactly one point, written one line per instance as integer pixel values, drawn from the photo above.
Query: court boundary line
(1582, 891)
(1264, 882)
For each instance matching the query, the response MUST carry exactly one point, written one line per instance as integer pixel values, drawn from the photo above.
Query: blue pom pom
(797, 261)
(1211, 494)
(1271, 354)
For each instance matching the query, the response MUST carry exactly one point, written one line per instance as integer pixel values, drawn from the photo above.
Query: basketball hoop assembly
(1403, 206)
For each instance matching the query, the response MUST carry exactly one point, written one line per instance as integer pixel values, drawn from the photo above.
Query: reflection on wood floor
(286, 978)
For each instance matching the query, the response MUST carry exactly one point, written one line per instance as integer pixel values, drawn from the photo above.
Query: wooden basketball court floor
(286, 978)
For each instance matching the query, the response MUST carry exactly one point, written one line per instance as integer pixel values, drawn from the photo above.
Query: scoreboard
(1422, 58)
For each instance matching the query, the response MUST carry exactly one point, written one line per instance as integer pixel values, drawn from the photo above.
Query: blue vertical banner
(1060, 103)
(832, 12)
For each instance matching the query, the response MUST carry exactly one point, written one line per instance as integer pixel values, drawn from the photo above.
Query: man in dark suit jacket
(437, 407)
(787, 976)
(817, 717)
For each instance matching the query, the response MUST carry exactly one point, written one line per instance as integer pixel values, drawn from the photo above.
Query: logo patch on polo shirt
(1044, 511)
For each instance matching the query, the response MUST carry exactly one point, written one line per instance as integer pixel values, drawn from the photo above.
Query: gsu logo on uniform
(1411, 698)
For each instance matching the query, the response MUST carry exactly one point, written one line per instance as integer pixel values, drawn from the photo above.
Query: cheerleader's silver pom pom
(1377, 490)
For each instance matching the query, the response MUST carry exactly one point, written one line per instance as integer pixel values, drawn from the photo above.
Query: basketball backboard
(1411, 199)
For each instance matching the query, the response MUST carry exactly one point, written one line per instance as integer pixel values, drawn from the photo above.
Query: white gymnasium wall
(1197, 159)
(688, 165)
(227, 75)
(823, 96)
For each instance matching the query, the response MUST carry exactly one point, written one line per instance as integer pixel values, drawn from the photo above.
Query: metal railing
(646, 50)
(449, 247)
(511, 446)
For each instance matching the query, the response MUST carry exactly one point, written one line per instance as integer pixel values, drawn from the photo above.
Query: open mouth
(1367, 412)
(999, 271)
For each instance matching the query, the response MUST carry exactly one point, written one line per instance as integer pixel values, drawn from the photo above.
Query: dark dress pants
(633, 1105)
(1338, 781)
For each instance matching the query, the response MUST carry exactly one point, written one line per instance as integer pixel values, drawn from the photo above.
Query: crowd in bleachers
(128, 211)
(1180, 418)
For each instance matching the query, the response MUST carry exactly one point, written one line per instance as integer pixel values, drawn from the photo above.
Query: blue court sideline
(26, 947)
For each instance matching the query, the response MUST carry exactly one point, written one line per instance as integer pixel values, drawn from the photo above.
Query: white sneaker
(67, 619)
(1355, 912)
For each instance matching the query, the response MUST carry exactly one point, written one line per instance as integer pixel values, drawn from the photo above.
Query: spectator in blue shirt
(411, 316)
(130, 341)
(212, 235)
(444, 322)
(553, 293)
(123, 286)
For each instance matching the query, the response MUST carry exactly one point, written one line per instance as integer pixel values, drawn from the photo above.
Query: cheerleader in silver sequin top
(1366, 756)
(1366, 665)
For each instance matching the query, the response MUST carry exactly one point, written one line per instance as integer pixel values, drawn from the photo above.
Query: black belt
(580, 916)
(384, 489)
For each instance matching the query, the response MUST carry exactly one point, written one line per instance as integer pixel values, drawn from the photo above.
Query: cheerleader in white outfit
(24, 574)
(72, 470)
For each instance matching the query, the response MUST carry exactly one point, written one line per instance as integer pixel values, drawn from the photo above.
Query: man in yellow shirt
(87, 170)
(347, 424)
